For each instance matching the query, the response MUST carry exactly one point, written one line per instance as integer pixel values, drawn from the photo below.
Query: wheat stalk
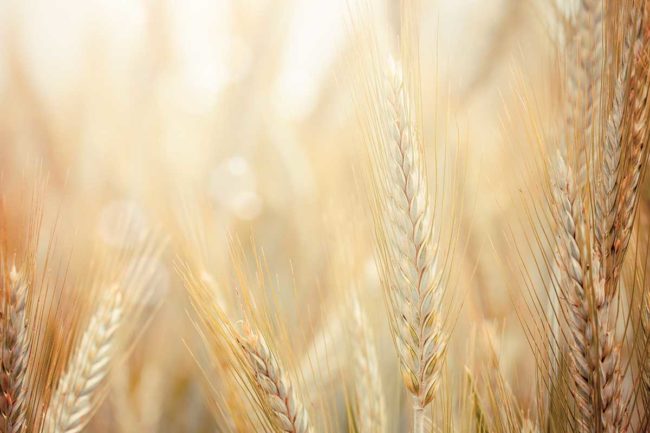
(635, 159)
(584, 80)
(369, 396)
(407, 251)
(631, 113)
(276, 390)
(605, 209)
(609, 383)
(15, 352)
(421, 342)
(72, 402)
(571, 221)
(608, 184)
(597, 378)
(593, 246)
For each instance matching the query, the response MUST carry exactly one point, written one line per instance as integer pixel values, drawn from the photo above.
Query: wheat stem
(419, 418)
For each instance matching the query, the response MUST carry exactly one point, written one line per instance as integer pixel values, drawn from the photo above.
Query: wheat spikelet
(15, 352)
(71, 405)
(275, 388)
(369, 396)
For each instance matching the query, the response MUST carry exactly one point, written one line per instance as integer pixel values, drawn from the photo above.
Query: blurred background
(236, 120)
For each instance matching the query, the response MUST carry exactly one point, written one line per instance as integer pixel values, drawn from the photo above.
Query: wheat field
(364, 216)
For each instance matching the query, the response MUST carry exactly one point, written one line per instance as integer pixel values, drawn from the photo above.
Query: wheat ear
(275, 388)
(71, 404)
(608, 379)
(605, 209)
(597, 378)
(624, 157)
(635, 159)
(584, 80)
(370, 408)
(608, 184)
(15, 353)
(408, 256)
(570, 218)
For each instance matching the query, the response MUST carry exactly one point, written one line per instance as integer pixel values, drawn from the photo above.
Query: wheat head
(15, 353)
(370, 408)
(71, 404)
(571, 222)
(275, 388)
